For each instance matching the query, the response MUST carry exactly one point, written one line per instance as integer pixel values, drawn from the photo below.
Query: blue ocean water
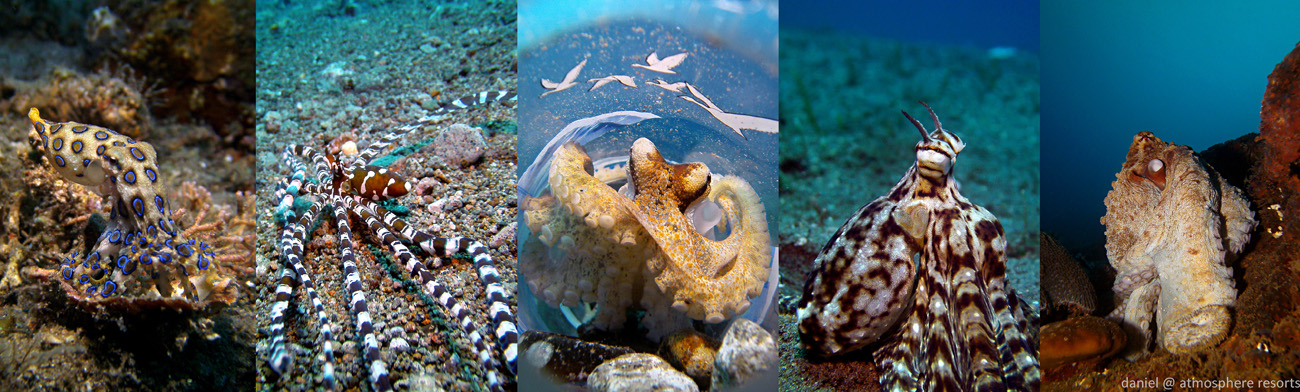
(983, 24)
(1192, 73)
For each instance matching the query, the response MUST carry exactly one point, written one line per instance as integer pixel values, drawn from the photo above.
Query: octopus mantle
(599, 246)
(1168, 220)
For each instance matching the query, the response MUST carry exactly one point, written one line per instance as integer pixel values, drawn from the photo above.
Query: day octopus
(1169, 218)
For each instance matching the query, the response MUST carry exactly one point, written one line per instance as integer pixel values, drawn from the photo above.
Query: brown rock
(1078, 344)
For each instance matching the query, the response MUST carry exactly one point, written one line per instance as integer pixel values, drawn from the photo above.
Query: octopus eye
(1155, 166)
(1155, 172)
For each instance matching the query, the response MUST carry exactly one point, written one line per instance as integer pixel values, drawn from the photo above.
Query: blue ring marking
(58, 144)
(129, 236)
(45, 141)
(203, 262)
(118, 143)
(80, 129)
(126, 265)
(77, 146)
(69, 261)
(166, 229)
(67, 273)
(152, 230)
(91, 290)
(84, 278)
(135, 152)
(145, 259)
(138, 204)
(55, 129)
(101, 135)
(100, 150)
(59, 161)
(129, 176)
(151, 174)
(130, 141)
(184, 250)
(114, 236)
(40, 127)
(96, 255)
(109, 291)
(158, 200)
(85, 162)
(164, 258)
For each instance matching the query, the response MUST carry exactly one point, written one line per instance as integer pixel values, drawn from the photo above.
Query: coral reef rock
(460, 145)
(1169, 219)
(1078, 343)
(566, 359)
(1065, 284)
(639, 372)
(748, 353)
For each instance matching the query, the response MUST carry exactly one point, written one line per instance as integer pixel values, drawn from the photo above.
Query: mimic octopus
(602, 246)
(1168, 220)
(952, 325)
(141, 233)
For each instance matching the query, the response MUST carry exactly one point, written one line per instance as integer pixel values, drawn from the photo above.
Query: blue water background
(1191, 72)
(984, 24)
(744, 24)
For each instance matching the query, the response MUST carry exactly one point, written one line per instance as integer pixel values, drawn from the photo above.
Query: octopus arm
(967, 330)
(713, 280)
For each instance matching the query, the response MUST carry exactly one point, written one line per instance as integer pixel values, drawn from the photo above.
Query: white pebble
(399, 345)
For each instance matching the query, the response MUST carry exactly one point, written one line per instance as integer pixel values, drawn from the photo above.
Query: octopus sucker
(1171, 221)
(642, 247)
(922, 272)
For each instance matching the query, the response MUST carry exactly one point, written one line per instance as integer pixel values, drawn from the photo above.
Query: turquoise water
(1193, 73)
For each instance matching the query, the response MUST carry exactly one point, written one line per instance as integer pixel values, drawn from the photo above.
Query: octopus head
(1149, 148)
(683, 183)
(936, 153)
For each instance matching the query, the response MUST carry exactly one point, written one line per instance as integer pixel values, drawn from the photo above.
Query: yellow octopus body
(612, 246)
(141, 233)
(708, 280)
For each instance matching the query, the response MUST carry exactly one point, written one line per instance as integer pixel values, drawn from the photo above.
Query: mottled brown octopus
(1169, 218)
(620, 249)
(952, 325)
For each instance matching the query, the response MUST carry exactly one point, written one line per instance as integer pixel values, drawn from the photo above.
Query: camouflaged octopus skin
(953, 325)
(1168, 219)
